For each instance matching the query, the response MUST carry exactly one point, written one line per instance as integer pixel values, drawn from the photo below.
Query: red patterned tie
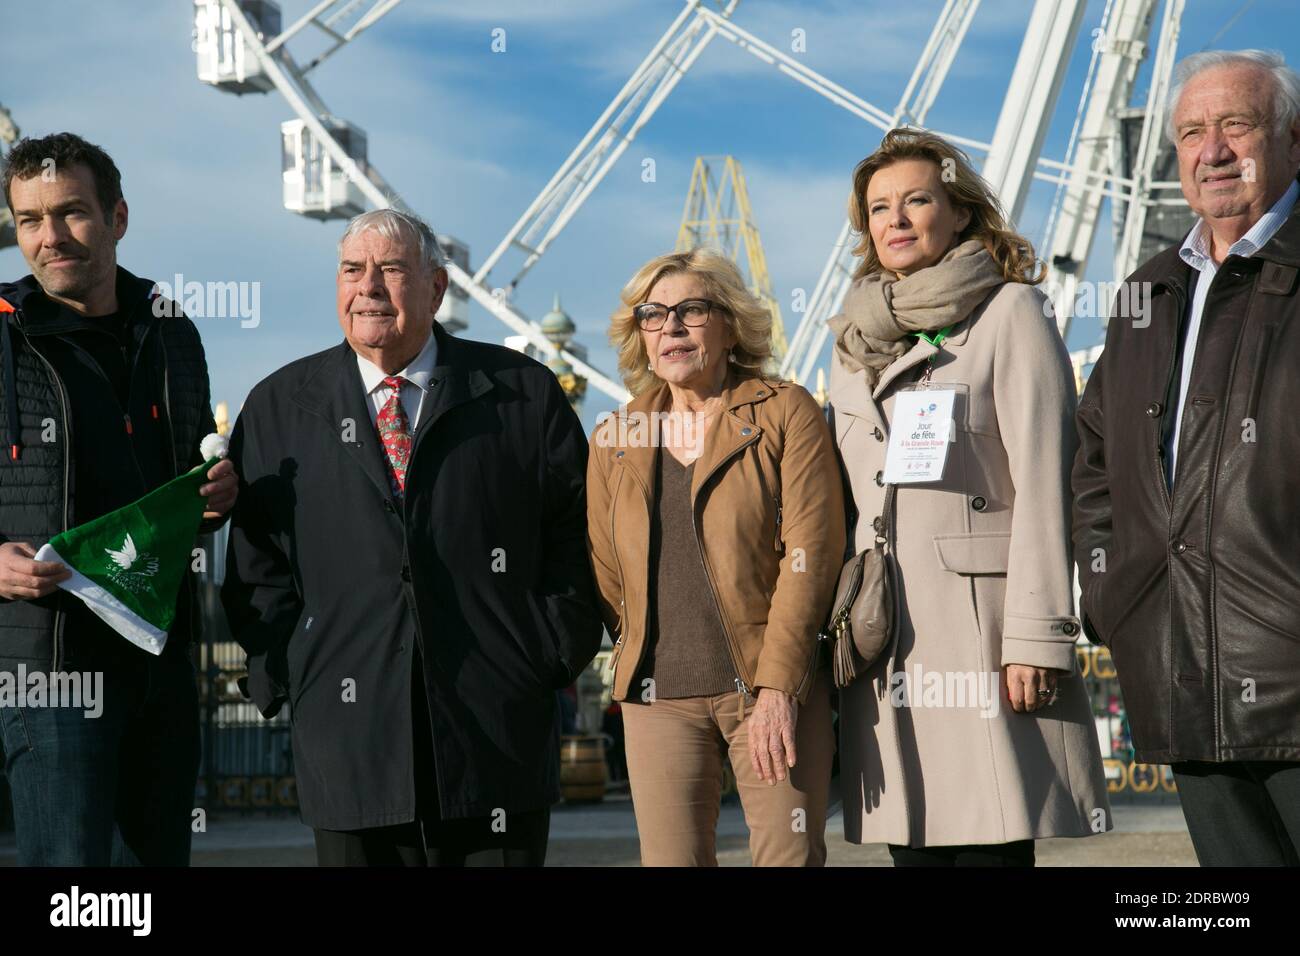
(395, 433)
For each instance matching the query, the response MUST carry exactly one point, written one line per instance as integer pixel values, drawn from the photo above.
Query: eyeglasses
(693, 313)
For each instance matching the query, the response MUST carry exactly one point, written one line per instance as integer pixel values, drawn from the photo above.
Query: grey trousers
(1242, 813)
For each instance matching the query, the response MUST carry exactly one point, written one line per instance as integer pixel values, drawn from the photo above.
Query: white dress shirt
(418, 380)
(1195, 251)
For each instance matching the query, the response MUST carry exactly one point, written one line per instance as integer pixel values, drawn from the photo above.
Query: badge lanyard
(921, 428)
(937, 340)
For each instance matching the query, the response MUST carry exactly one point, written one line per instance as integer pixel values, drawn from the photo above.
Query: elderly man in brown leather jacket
(1186, 517)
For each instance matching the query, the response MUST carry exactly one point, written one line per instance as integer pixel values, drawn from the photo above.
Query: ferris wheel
(9, 134)
(1115, 150)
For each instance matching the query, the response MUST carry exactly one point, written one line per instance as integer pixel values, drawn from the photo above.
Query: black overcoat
(332, 582)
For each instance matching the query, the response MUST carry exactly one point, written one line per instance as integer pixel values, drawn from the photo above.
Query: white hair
(1285, 106)
(396, 225)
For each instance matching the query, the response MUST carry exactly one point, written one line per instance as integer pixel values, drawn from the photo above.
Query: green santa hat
(127, 566)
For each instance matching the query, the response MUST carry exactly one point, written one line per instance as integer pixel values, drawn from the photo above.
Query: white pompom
(213, 446)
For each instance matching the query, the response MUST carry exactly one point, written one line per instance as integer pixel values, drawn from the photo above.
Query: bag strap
(885, 523)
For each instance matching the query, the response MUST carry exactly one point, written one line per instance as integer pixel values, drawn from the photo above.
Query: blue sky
(468, 137)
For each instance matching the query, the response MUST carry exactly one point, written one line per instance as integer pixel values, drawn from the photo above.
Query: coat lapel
(639, 453)
(336, 395)
(873, 411)
(731, 432)
(453, 383)
(917, 354)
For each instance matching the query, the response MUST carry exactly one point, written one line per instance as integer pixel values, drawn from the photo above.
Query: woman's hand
(770, 726)
(1023, 683)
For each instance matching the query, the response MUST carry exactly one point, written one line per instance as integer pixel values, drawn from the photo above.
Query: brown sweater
(687, 654)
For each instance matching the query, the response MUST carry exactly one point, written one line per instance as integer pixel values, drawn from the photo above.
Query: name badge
(919, 435)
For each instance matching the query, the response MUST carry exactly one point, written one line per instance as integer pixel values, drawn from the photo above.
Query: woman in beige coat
(972, 736)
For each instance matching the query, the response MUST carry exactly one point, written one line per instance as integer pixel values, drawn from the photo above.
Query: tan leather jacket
(768, 506)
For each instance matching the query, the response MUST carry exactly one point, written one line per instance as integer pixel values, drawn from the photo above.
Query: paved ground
(604, 834)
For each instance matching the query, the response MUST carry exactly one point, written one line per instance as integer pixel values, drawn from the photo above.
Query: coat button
(388, 506)
(760, 393)
(878, 524)
(1069, 628)
(406, 572)
(1180, 546)
(746, 431)
(880, 479)
(877, 434)
(1154, 410)
(618, 454)
(978, 503)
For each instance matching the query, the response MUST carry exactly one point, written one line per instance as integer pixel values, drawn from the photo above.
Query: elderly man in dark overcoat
(408, 570)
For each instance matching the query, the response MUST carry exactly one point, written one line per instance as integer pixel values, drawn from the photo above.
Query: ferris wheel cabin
(314, 184)
(224, 57)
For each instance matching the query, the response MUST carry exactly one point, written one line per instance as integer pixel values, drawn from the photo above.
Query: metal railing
(247, 760)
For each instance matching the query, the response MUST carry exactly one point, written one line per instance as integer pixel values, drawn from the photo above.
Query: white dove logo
(131, 567)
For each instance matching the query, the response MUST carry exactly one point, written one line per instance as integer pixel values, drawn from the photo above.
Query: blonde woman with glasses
(716, 528)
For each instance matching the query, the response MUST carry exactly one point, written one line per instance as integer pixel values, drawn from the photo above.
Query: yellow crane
(718, 215)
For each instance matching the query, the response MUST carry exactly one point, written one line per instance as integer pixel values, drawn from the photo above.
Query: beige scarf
(881, 311)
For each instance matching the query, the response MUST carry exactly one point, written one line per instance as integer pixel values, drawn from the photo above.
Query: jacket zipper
(126, 414)
(780, 549)
(67, 461)
(618, 565)
(167, 403)
(812, 667)
(742, 686)
(615, 654)
(645, 624)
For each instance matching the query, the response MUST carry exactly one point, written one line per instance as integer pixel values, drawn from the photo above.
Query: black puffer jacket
(37, 488)
(1197, 590)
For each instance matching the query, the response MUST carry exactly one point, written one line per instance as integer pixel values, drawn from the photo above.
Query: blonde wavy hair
(747, 317)
(966, 189)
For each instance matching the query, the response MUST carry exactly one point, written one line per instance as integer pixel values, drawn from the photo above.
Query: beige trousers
(675, 750)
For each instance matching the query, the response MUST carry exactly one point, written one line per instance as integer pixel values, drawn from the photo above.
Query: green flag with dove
(127, 566)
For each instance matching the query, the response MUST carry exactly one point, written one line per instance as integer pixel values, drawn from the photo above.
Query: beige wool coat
(931, 753)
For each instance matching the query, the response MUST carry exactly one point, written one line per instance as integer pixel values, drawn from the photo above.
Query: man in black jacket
(408, 570)
(104, 397)
(1186, 512)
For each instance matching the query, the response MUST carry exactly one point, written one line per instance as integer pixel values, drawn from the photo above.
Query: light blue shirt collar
(1195, 250)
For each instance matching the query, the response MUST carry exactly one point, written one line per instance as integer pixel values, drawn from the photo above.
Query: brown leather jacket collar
(735, 429)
